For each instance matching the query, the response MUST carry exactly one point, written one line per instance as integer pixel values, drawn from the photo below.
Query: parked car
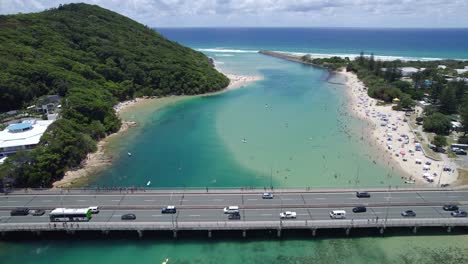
(459, 213)
(170, 209)
(234, 216)
(408, 213)
(460, 152)
(19, 212)
(362, 195)
(450, 207)
(231, 209)
(128, 217)
(288, 215)
(37, 212)
(267, 195)
(359, 209)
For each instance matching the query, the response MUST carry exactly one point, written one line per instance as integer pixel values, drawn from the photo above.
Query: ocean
(298, 132)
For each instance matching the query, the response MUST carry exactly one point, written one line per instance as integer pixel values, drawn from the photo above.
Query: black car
(408, 213)
(37, 212)
(19, 211)
(460, 152)
(234, 216)
(450, 207)
(128, 217)
(359, 209)
(169, 210)
(459, 213)
(362, 195)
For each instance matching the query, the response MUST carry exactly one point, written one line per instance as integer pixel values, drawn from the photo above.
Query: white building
(443, 67)
(22, 136)
(409, 71)
(461, 71)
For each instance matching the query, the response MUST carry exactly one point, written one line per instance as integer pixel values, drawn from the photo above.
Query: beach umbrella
(403, 152)
(426, 174)
(426, 167)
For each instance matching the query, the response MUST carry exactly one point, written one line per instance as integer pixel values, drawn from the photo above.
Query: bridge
(202, 210)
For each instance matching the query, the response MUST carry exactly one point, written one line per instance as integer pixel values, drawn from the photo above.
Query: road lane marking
(319, 198)
(46, 201)
(81, 200)
(194, 215)
(266, 214)
(287, 199)
(115, 200)
(12, 201)
(156, 215)
(149, 200)
(218, 200)
(252, 199)
(116, 215)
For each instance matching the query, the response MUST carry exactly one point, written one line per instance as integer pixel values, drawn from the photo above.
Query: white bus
(70, 215)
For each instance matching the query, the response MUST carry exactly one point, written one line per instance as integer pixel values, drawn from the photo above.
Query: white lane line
(266, 214)
(319, 198)
(116, 215)
(156, 215)
(149, 200)
(46, 201)
(302, 214)
(453, 196)
(352, 198)
(194, 215)
(252, 199)
(12, 201)
(287, 199)
(218, 200)
(81, 200)
(115, 200)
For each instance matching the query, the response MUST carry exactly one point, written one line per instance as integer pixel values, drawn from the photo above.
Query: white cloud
(377, 13)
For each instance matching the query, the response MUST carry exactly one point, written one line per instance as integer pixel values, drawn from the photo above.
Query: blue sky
(274, 13)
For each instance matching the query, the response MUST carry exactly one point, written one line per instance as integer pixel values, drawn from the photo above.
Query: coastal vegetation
(93, 58)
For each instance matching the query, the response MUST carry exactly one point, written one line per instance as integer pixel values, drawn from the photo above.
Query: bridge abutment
(244, 233)
(449, 229)
(314, 232)
(140, 233)
(278, 233)
(209, 234)
(174, 233)
(347, 231)
(415, 229)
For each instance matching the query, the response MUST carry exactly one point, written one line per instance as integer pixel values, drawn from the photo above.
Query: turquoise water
(295, 124)
(414, 249)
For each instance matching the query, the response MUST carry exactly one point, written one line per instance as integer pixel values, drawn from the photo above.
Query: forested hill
(80, 46)
(93, 58)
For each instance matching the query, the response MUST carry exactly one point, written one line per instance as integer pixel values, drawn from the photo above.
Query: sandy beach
(395, 138)
(99, 160)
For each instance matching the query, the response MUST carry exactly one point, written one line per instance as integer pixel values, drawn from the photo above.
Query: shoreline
(388, 137)
(97, 161)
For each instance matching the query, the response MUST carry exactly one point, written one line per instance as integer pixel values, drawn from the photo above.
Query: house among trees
(48, 104)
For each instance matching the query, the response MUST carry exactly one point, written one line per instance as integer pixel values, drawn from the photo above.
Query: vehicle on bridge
(37, 212)
(70, 215)
(94, 209)
(19, 211)
(362, 195)
(128, 217)
(408, 213)
(359, 209)
(459, 213)
(234, 216)
(267, 195)
(450, 207)
(288, 215)
(338, 214)
(231, 209)
(170, 209)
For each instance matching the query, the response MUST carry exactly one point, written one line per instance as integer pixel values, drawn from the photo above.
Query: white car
(231, 210)
(288, 215)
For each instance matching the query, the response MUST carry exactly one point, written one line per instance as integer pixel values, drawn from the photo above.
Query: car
(170, 209)
(267, 195)
(231, 209)
(234, 216)
(459, 213)
(128, 217)
(408, 213)
(19, 212)
(362, 195)
(460, 152)
(450, 207)
(37, 212)
(94, 209)
(288, 215)
(359, 209)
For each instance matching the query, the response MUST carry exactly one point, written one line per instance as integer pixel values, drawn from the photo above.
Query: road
(208, 207)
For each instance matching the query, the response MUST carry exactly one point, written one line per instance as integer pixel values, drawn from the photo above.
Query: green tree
(437, 123)
(439, 141)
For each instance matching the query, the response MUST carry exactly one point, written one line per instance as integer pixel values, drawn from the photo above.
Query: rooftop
(27, 137)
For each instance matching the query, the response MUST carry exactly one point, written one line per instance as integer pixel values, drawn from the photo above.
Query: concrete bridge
(202, 210)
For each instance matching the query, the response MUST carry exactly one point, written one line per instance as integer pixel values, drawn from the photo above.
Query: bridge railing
(234, 225)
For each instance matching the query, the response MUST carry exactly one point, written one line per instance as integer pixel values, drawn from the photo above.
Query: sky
(274, 13)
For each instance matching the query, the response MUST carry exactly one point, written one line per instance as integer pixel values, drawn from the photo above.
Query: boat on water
(244, 140)
(165, 261)
(129, 154)
(148, 183)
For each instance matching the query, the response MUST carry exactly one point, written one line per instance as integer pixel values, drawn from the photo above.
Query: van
(338, 214)
(94, 209)
(231, 209)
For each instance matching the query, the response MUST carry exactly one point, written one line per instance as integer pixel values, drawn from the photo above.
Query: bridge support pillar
(347, 231)
(140, 233)
(174, 233)
(449, 229)
(244, 233)
(38, 233)
(278, 233)
(415, 230)
(3, 234)
(381, 230)
(209, 233)
(105, 232)
(314, 232)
